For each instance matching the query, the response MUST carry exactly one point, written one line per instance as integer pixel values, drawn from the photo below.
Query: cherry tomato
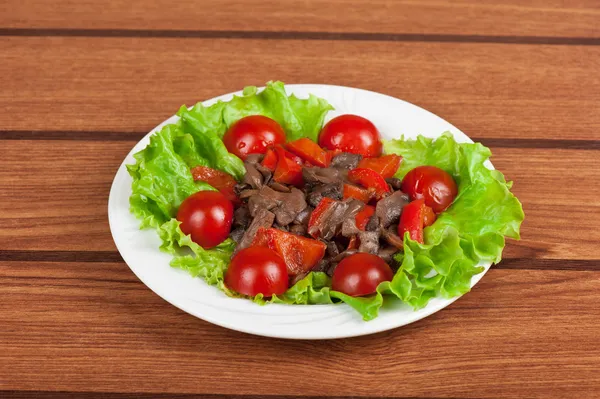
(257, 270)
(431, 184)
(253, 135)
(207, 217)
(351, 133)
(360, 274)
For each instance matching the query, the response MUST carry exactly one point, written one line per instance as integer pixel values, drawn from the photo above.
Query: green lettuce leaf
(298, 117)
(199, 262)
(471, 231)
(162, 178)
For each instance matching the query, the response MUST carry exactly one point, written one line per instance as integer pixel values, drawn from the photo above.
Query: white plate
(139, 248)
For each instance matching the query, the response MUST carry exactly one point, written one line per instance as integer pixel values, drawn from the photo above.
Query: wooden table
(82, 81)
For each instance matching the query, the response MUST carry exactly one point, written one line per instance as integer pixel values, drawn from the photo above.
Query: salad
(261, 199)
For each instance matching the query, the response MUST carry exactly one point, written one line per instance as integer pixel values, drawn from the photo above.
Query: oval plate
(140, 248)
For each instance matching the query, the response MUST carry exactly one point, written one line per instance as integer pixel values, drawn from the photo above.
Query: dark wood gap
(498, 142)
(299, 35)
(115, 257)
(118, 395)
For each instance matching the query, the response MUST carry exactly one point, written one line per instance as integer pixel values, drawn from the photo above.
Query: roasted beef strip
(263, 218)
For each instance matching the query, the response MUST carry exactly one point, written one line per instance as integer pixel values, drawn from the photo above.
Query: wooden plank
(71, 327)
(467, 17)
(132, 84)
(55, 198)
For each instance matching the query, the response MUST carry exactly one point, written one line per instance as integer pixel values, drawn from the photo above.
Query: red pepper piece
(300, 254)
(414, 218)
(429, 216)
(386, 165)
(361, 194)
(369, 179)
(309, 151)
(317, 215)
(220, 180)
(287, 171)
(270, 160)
(279, 149)
(363, 216)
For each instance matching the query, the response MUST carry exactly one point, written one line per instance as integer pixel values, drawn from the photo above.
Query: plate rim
(422, 313)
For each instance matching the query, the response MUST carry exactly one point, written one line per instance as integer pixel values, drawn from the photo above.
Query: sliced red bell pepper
(220, 180)
(309, 151)
(300, 254)
(386, 165)
(369, 179)
(279, 149)
(270, 160)
(353, 244)
(414, 218)
(359, 193)
(287, 170)
(317, 214)
(363, 216)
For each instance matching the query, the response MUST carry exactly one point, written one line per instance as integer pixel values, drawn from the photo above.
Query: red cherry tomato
(253, 135)
(351, 133)
(207, 217)
(435, 186)
(360, 274)
(257, 270)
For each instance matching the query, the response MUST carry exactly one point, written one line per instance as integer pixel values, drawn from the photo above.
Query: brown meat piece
(331, 190)
(291, 205)
(241, 216)
(253, 177)
(388, 210)
(298, 229)
(237, 233)
(346, 160)
(316, 175)
(387, 253)
(394, 182)
(330, 222)
(263, 218)
(254, 158)
(260, 201)
(279, 187)
(390, 235)
(369, 242)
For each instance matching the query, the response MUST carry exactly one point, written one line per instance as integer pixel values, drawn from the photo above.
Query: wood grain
(132, 84)
(505, 18)
(69, 184)
(81, 328)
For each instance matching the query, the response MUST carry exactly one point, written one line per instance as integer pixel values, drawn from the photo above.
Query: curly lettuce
(471, 231)
(162, 178)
